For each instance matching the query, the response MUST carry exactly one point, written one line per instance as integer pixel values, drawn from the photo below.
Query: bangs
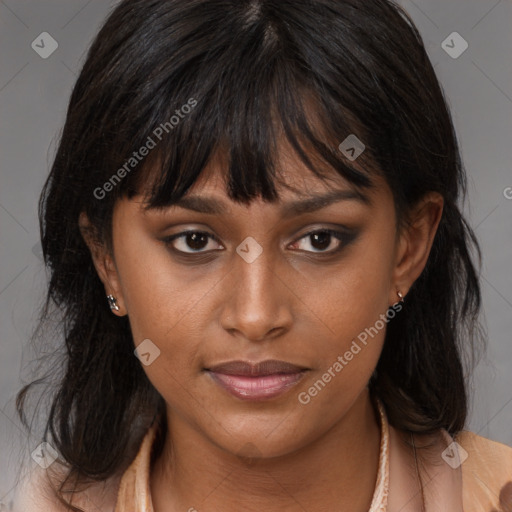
(244, 97)
(249, 141)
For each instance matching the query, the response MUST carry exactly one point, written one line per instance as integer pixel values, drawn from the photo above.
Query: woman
(253, 230)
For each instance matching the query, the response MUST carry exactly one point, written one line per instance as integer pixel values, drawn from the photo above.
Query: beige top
(472, 475)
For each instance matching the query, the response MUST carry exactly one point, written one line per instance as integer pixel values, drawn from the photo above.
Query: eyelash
(342, 236)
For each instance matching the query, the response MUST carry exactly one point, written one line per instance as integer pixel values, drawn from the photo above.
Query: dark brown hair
(312, 71)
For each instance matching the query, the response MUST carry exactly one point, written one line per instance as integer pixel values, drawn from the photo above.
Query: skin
(290, 304)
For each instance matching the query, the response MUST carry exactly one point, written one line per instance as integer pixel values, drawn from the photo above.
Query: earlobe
(416, 241)
(104, 265)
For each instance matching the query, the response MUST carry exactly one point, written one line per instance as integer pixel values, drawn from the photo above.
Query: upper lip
(262, 368)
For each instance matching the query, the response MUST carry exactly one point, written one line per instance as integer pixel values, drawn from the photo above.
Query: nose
(258, 305)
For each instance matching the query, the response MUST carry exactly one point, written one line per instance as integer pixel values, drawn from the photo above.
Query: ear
(103, 262)
(415, 242)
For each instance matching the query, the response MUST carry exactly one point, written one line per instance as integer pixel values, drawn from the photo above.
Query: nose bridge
(258, 303)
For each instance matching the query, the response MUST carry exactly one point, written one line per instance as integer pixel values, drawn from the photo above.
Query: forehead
(293, 177)
(299, 191)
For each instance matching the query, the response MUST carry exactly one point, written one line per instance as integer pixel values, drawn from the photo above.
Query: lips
(261, 369)
(256, 381)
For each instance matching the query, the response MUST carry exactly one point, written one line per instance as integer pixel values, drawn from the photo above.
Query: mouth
(256, 381)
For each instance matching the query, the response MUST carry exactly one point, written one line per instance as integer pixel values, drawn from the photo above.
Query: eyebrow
(312, 203)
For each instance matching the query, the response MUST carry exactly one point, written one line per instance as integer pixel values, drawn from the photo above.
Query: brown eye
(321, 240)
(196, 241)
(190, 241)
(324, 241)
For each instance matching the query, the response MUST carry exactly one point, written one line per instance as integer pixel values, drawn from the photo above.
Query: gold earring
(399, 293)
(112, 302)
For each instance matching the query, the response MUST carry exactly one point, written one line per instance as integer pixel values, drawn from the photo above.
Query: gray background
(33, 97)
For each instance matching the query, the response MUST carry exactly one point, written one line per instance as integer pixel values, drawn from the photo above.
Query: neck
(337, 471)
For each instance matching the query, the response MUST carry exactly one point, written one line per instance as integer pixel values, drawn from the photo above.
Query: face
(306, 285)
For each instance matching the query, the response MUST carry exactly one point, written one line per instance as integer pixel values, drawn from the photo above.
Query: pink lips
(259, 381)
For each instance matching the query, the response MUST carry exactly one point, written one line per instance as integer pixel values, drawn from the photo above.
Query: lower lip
(257, 388)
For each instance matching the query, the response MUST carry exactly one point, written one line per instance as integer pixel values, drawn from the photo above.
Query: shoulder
(35, 494)
(486, 470)
(465, 472)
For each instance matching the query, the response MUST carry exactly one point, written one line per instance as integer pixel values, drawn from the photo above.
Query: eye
(323, 241)
(190, 242)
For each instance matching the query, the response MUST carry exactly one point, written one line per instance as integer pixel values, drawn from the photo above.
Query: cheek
(163, 306)
(352, 304)
(355, 293)
(162, 302)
